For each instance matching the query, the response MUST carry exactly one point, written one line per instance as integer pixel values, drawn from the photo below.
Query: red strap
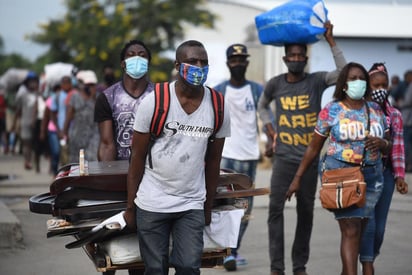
(218, 109)
(162, 101)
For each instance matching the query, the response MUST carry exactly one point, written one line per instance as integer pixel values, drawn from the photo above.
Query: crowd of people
(54, 120)
(368, 121)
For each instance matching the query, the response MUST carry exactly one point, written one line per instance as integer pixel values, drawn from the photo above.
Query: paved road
(40, 255)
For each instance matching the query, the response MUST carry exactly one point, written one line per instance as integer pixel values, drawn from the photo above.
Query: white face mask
(356, 89)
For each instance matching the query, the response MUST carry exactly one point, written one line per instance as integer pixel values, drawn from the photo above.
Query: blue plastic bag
(297, 21)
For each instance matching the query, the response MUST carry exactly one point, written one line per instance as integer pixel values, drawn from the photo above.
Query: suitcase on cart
(78, 204)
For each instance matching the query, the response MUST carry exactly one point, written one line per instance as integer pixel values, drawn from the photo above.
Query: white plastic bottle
(81, 162)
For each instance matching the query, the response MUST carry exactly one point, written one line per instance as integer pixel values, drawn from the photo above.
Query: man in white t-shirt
(241, 151)
(173, 197)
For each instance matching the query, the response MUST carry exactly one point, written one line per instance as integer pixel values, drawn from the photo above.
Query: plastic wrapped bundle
(55, 71)
(297, 21)
(12, 78)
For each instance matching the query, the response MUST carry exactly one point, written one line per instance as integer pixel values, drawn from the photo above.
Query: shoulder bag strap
(218, 110)
(366, 132)
(161, 109)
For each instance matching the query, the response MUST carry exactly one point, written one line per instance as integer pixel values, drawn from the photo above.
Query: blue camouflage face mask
(136, 66)
(356, 89)
(194, 75)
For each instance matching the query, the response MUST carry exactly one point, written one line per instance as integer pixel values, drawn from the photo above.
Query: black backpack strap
(218, 103)
(161, 109)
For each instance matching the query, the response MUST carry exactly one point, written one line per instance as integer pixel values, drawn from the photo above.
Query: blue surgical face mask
(194, 75)
(356, 89)
(74, 81)
(136, 66)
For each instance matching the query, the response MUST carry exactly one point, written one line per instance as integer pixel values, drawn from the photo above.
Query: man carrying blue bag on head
(297, 96)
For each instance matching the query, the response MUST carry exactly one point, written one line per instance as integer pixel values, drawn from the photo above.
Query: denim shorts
(373, 175)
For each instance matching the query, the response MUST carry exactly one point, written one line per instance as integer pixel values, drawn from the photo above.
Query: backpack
(162, 103)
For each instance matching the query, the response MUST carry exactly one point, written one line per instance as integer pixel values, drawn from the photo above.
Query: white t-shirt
(177, 181)
(243, 143)
(41, 106)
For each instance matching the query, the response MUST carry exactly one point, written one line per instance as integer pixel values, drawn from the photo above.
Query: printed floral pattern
(347, 129)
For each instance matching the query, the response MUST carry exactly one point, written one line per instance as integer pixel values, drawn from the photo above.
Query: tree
(1, 45)
(92, 32)
(11, 60)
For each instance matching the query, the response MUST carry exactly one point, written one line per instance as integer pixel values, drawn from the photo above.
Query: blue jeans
(186, 229)
(247, 167)
(375, 229)
(54, 144)
(374, 186)
(282, 176)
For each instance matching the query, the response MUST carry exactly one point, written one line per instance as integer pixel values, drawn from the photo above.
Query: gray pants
(282, 175)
